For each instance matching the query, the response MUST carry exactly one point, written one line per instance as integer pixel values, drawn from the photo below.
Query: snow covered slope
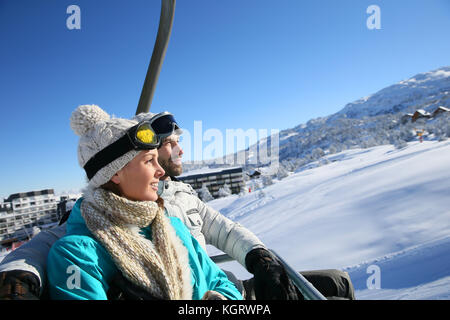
(379, 206)
(419, 272)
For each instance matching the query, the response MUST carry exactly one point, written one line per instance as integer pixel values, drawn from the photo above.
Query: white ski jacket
(207, 225)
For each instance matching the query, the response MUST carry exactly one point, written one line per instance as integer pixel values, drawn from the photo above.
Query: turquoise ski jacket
(80, 268)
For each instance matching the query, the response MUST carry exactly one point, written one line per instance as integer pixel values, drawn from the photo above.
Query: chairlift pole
(308, 291)
(159, 52)
(306, 288)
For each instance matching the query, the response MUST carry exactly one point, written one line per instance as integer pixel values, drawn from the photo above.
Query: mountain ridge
(369, 121)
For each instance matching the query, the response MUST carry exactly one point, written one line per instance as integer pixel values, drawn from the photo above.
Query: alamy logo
(74, 280)
(374, 281)
(225, 148)
(74, 20)
(374, 20)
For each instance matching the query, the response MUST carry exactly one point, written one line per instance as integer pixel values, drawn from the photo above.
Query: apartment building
(215, 179)
(22, 213)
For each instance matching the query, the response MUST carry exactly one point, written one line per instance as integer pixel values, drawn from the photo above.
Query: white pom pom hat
(98, 130)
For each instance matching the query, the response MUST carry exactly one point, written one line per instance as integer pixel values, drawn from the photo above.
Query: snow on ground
(419, 272)
(368, 208)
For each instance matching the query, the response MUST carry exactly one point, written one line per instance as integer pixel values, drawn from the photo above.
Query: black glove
(19, 285)
(123, 289)
(271, 281)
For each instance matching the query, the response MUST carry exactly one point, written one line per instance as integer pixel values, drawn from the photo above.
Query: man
(22, 273)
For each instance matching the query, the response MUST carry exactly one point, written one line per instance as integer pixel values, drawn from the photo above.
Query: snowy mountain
(371, 121)
(423, 91)
(379, 207)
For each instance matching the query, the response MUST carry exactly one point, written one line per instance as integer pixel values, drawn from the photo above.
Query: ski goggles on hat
(165, 124)
(146, 135)
(139, 137)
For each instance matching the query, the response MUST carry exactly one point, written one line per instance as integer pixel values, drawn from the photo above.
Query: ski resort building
(440, 110)
(254, 174)
(420, 114)
(21, 214)
(214, 179)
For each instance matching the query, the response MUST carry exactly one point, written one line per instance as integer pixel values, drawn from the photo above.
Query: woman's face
(138, 180)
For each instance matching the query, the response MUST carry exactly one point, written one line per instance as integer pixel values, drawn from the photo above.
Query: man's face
(170, 156)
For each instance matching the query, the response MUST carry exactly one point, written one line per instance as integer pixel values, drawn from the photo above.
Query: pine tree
(266, 180)
(243, 190)
(205, 195)
(224, 191)
(282, 172)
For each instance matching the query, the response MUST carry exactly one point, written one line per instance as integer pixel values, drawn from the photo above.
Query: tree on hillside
(224, 191)
(243, 190)
(205, 195)
(282, 172)
(266, 180)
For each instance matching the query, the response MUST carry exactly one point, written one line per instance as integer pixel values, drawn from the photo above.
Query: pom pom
(85, 117)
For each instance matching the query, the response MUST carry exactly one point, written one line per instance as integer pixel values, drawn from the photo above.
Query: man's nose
(177, 150)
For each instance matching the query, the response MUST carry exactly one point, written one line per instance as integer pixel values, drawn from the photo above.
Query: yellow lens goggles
(145, 134)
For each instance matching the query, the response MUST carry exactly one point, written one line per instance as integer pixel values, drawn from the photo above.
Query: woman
(121, 227)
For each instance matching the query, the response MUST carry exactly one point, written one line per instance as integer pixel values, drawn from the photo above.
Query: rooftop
(29, 194)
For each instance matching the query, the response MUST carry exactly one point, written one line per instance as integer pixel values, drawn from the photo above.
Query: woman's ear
(115, 178)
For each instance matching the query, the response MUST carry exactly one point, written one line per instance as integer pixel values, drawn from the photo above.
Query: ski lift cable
(159, 52)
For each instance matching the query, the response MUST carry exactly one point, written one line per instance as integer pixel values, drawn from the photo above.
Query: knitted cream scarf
(160, 266)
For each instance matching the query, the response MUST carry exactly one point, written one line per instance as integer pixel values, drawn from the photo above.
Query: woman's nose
(159, 171)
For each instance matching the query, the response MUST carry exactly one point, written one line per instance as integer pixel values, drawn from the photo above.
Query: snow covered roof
(422, 112)
(254, 173)
(442, 108)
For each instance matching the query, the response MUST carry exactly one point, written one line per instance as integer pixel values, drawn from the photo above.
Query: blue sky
(261, 64)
